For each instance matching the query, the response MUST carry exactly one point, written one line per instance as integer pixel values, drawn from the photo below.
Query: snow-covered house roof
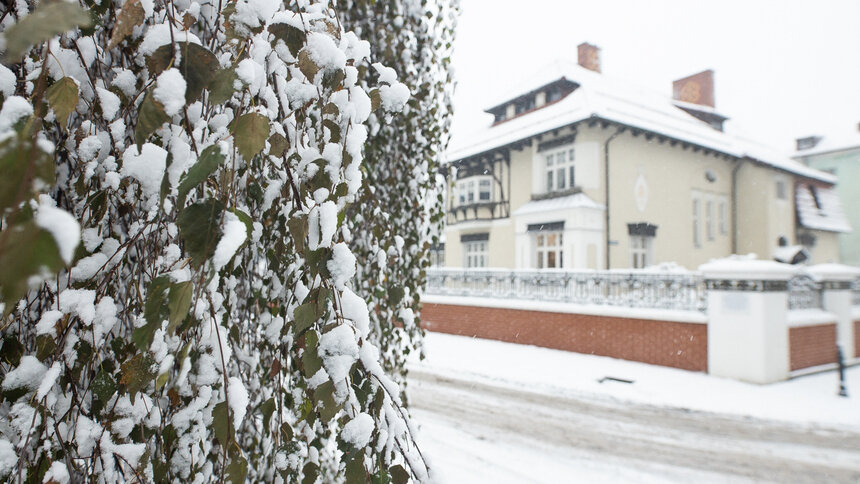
(818, 208)
(599, 97)
(831, 144)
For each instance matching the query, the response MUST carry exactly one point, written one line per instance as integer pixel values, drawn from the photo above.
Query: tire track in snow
(727, 445)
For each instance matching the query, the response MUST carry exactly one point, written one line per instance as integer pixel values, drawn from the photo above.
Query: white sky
(783, 68)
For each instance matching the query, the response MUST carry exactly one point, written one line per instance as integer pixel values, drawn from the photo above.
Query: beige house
(579, 171)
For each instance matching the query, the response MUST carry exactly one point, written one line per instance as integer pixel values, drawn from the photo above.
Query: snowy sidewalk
(808, 399)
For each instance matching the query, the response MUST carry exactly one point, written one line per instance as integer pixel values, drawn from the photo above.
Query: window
(641, 251)
(560, 170)
(641, 244)
(485, 190)
(475, 254)
(475, 189)
(781, 192)
(437, 255)
(724, 228)
(709, 218)
(548, 251)
(697, 236)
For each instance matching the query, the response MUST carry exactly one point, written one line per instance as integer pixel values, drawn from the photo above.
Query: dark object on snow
(612, 378)
(843, 392)
(791, 254)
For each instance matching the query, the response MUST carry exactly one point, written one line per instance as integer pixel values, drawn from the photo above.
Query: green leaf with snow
(327, 407)
(221, 423)
(48, 20)
(155, 310)
(298, 227)
(278, 145)
(250, 132)
(307, 65)
(178, 303)
(237, 470)
(27, 250)
(200, 228)
(150, 117)
(45, 346)
(221, 88)
(267, 409)
(355, 472)
(311, 361)
(375, 99)
(103, 387)
(197, 64)
(399, 475)
(160, 60)
(305, 315)
(137, 373)
(16, 156)
(293, 37)
(209, 161)
(334, 130)
(63, 98)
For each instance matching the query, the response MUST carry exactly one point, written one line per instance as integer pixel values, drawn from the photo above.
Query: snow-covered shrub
(401, 209)
(173, 276)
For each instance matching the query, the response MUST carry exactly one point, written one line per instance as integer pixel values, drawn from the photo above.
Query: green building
(840, 156)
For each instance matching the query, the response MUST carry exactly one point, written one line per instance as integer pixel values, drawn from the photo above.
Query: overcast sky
(783, 68)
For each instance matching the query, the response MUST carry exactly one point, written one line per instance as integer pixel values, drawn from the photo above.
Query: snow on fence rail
(640, 289)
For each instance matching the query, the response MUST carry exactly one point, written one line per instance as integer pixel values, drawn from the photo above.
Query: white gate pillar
(836, 298)
(748, 319)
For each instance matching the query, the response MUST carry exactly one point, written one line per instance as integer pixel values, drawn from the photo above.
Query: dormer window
(532, 100)
(475, 189)
(560, 169)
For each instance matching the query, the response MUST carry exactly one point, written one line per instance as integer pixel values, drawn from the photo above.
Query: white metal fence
(638, 289)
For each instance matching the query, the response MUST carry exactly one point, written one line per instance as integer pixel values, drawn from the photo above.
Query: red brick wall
(812, 345)
(679, 345)
(857, 339)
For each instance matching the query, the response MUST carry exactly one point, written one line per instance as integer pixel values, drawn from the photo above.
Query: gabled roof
(600, 97)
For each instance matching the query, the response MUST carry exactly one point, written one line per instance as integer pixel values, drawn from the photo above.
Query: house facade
(839, 156)
(578, 171)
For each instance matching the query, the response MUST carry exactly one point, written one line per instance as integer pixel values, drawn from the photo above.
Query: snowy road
(480, 432)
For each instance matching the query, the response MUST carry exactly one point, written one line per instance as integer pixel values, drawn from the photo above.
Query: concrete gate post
(836, 298)
(748, 319)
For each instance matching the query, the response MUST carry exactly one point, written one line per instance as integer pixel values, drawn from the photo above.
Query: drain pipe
(735, 171)
(606, 190)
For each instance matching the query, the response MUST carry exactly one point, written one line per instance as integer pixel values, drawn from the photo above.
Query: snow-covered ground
(500, 412)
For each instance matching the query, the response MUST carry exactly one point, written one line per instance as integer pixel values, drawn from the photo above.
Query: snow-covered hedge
(400, 211)
(174, 281)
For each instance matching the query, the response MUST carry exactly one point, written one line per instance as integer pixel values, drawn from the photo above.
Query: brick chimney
(589, 56)
(695, 89)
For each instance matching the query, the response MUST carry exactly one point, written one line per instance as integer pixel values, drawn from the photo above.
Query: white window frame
(697, 220)
(549, 245)
(470, 190)
(560, 168)
(641, 251)
(723, 211)
(475, 253)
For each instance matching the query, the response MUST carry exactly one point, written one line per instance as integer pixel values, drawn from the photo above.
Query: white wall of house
(654, 182)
